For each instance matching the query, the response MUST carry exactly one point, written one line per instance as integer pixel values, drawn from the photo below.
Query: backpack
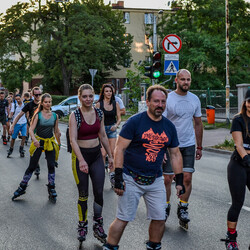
(78, 118)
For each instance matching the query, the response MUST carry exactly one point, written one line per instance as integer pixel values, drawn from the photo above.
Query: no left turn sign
(171, 44)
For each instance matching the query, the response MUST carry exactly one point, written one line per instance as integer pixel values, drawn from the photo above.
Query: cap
(247, 96)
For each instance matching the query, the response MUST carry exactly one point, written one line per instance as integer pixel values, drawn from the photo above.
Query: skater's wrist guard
(179, 182)
(246, 161)
(119, 178)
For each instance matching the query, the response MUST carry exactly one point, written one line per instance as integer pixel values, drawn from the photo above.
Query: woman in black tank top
(112, 116)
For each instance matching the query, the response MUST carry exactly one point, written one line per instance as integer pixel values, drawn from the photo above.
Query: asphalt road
(32, 222)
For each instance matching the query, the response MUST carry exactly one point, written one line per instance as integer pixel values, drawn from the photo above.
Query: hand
(111, 164)
(180, 190)
(119, 191)
(246, 161)
(83, 166)
(36, 143)
(198, 154)
(11, 130)
(113, 128)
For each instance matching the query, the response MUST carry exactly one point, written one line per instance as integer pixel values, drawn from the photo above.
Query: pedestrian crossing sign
(171, 64)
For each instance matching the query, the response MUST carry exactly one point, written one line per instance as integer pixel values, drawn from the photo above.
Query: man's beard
(184, 90)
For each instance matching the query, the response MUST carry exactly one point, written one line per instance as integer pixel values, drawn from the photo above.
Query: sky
(147, 4)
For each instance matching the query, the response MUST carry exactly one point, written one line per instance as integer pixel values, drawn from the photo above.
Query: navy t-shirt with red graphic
(149, 141)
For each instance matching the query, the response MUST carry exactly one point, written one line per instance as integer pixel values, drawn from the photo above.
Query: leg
(187, 181)
(112, 142)
(116, 230)
(156, 230)
(168, 179)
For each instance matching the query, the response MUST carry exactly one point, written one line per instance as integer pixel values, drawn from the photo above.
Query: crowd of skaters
(163, 141)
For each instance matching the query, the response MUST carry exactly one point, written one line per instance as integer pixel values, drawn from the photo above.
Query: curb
(218, 151)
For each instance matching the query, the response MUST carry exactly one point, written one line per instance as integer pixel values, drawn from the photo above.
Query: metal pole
(227, 64)
(154, 39)
(92, 80)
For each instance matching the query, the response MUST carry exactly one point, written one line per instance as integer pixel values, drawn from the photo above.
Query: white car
(68, 105)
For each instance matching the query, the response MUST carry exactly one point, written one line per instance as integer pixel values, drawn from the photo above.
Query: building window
(126, 17)
(127, 63)
(149, 18)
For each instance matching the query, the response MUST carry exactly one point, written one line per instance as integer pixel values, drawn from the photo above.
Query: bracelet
(199, 148)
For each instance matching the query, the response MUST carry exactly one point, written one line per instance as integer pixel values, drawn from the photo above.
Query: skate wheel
(183, 225)
(13, 198)
(80, 245)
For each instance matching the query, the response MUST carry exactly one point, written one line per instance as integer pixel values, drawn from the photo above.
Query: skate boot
(153, 246)
(21, 151)
(98, 230)
(8, 138)
(230, 241)
(82, 232)
(112, 179)
(37, 172)
(52, 193)
(4, 140)
(167, 211)
(10, 151)
(107, 246)
(183, 215)
(20, 191)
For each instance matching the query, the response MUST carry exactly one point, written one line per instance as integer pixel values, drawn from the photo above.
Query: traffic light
(148, 71)
(156, 68)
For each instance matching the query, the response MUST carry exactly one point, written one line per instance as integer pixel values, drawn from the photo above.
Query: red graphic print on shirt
(156, 142)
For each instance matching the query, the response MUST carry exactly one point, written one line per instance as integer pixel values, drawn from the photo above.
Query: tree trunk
(66, 78)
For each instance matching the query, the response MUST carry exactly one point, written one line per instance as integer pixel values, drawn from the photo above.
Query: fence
(217, 98)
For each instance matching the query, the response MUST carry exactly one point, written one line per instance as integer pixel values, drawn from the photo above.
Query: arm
(118, 115)
(120, 148)
(177, 165)
(238, 141)
(198, 127)
(104, 140)
(123, 111)
(31, 131)
(73, 141)
(15, 121)
(57, 132)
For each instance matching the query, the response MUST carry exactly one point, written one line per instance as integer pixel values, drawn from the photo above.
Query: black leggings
(34, 159)
(238, 178)
(93, 157)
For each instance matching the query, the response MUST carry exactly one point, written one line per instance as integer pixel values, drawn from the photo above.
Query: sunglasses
(36, 95)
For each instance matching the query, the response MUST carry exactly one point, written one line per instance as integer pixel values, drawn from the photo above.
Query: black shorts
(3, 119)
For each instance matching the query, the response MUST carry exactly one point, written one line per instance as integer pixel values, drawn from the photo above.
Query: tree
(201, 26)
(15, 47)
(78, 36)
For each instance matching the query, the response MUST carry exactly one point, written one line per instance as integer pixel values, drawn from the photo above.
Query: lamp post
(227, 64)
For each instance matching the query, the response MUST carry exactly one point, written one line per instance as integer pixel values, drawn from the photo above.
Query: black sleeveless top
(109, 116)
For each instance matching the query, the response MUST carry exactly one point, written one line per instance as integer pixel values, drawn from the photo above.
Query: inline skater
(21, 125)
(86, 131)
(238, 170)
(3, 106)
(45, 122)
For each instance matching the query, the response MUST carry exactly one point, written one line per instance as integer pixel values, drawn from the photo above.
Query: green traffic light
(156, 74)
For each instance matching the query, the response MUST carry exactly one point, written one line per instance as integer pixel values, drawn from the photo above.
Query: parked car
(68, 105)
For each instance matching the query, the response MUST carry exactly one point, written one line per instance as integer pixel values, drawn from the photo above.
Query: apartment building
(139, 23)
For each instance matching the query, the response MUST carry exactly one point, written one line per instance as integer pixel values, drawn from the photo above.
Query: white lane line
(244, 207)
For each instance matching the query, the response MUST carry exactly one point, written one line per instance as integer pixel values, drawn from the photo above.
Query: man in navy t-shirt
(139, 153)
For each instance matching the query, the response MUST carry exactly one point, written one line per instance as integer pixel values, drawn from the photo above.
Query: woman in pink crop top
(87, 160)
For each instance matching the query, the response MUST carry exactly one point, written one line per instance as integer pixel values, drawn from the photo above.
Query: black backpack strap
(78, 117)
(99, 113)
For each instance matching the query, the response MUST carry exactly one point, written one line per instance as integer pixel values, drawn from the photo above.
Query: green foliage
(134, 86)
(201, 26)
(15, 47)
(56, 99)
(228, 144)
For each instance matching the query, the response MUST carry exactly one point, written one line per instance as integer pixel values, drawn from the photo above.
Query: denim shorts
(19, 128)
(110, 134)
(154, 196)
(188, 156)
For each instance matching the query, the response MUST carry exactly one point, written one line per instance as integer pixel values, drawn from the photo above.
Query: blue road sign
(171, 64)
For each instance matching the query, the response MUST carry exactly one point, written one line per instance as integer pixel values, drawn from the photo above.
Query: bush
(57, 99)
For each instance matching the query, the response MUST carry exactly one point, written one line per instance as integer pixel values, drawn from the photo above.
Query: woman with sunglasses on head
(238, 172)
(112, 118)
(86, 131)
(43, 131)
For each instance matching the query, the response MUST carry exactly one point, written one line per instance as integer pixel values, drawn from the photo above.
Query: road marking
(244, 207)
